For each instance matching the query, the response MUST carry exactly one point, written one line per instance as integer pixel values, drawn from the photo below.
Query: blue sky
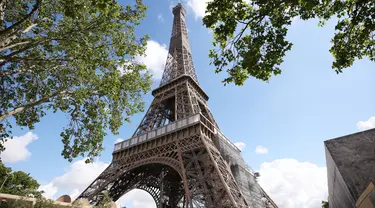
(289, 117)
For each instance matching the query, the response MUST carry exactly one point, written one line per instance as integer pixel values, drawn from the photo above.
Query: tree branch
(6, 57)
(239, 35)
(26, 60)
(32, 104)
(7, 73)
(14, 45)
(35, 9)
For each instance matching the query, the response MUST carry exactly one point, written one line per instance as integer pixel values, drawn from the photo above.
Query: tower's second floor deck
(169, 128)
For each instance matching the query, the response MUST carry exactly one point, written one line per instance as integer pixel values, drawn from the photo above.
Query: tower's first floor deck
(169, 128)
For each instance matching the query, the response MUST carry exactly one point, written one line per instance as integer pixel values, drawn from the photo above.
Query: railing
(217, 131)
(171, 127)
(158, 132)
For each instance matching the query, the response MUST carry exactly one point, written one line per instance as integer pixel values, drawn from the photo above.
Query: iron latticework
(179, 60)
(178, 154)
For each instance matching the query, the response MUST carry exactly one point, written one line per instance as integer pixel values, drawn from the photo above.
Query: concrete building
(350, 168)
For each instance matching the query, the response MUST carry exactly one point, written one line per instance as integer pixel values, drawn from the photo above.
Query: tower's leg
(161, 189)
(210, 182)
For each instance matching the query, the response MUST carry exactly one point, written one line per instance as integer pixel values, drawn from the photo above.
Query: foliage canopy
(250, 35)
(17, 183)
(74, 57)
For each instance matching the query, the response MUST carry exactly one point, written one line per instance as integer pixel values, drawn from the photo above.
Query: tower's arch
(158, 178)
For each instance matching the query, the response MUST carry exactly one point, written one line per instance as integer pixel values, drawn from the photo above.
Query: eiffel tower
(178, 153)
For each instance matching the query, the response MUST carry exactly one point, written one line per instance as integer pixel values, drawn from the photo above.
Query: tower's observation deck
(180, 125)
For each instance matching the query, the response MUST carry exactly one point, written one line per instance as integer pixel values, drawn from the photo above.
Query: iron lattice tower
(178, 154)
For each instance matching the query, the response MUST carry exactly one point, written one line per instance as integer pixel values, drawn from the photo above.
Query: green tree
(23, 203)
(106, 202)
(16, 204)
(75, 57)
(250, 36)
(325, 204)
(18, 183)
(46, 203)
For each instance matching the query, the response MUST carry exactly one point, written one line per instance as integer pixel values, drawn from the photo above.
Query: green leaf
(250, 38)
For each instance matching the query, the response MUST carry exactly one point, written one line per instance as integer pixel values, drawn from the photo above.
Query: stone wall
(350, 167)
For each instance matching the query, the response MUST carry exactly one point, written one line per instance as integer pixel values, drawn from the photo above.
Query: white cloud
(171, 5)
(137, 199)
(155, 58)
(240, 145)
(198, 7)
(118, 140)
(16, 148)
(79, 176)
(294, 184)
(49, 190)
(75, 193)
(75, 180)
(160, 18)
(365, 125)
(261, 150)
(124, 70)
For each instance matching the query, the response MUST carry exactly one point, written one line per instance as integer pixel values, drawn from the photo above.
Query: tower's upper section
(179, 60)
